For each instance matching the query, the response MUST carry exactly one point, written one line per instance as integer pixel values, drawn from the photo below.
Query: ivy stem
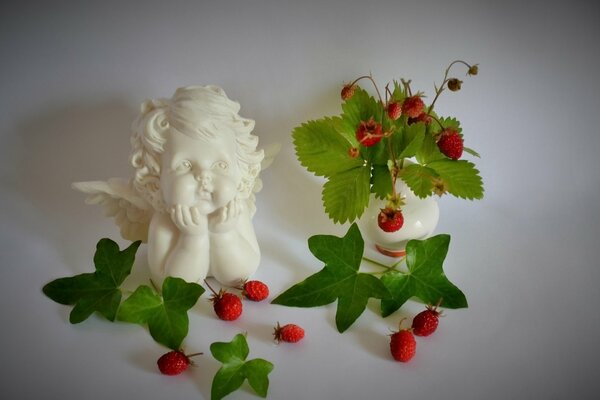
(375, 273)
(392, 268)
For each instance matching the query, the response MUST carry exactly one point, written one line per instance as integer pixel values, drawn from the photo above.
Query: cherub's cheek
(179, 189)
(225, 190)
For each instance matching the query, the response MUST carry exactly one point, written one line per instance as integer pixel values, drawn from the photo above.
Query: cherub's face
(199, 172)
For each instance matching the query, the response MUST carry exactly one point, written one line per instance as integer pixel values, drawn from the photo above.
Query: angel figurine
(192, 195)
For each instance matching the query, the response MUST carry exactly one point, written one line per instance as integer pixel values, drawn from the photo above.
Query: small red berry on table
(290, 333)
(255, 290)
(426, 322)
(403, 345)
(227, 306)
(174, 362)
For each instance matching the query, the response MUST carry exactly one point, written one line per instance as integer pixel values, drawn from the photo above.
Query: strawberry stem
(210, 287)
(439, 90)
(369, 77)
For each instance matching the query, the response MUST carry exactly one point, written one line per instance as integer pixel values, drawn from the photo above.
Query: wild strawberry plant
(363, 150)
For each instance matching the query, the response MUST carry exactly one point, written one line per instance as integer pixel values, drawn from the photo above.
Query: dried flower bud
(454, 84)
(353, 152)
(473, 70)
(439, 186)
(347, 92)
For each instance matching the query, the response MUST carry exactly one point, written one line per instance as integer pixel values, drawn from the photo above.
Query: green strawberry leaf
(381, 181)
(98, 291)
(359, 108)
(460, 177)
(339, 279)
(362, 107)
(425, 278)
(471, 152)
(398, 94)
(411, 141)
(429, 150)
(346, 194)
(419, 179)
(323, 149)
(236, 369)
(166, 315)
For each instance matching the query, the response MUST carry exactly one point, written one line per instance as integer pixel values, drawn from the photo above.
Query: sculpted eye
(185, 165)
(222, 165)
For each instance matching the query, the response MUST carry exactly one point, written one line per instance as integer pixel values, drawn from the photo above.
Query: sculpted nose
(204, 178)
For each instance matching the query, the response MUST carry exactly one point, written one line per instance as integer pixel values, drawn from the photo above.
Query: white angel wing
(270, 152)
(120, 200)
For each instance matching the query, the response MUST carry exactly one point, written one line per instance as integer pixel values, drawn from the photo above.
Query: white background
(72, 77)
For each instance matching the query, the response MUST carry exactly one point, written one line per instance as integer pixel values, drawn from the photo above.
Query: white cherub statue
(192, 196)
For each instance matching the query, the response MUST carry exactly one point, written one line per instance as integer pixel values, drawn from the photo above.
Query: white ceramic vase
(420, 219)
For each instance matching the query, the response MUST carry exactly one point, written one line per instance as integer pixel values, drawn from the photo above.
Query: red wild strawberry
(347, 92)
(227, 306)
(450, 143)
(426, 322)
(390, 220)
(369, 133)
(394, 110)
(403, 345)
(255, 290)
(290, 333)
(413, 106)
(174, 362)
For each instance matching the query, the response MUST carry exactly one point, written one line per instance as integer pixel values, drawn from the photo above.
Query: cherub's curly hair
(199, 112)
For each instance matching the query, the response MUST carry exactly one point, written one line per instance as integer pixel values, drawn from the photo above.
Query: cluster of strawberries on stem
(370, 132)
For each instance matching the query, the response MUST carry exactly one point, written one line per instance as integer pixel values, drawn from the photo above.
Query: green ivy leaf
(236, 369)
(346, 194)
(419, 179)
(339, 279)
(460, 176)
(425, 278)
(98, 291)
(166, 315)
(323, 149)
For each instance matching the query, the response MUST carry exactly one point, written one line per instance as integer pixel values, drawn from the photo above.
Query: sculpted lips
(204, 195)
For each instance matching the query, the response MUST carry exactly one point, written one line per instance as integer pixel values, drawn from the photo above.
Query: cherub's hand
(189, 220)
(226, 218)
